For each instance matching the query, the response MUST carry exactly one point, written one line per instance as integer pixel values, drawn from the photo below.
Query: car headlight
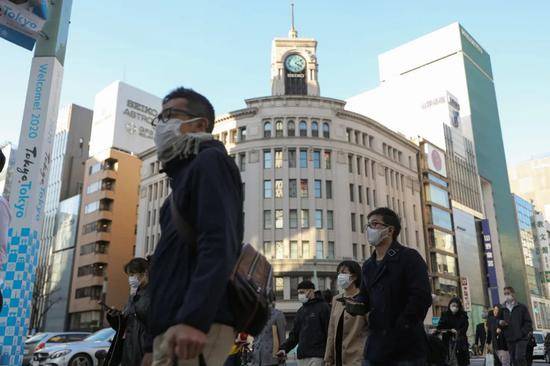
(61, 353)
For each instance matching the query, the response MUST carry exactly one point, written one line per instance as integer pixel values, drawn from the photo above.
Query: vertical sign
(22, 21)
(27, 200)
(466, 298)
(490, 262)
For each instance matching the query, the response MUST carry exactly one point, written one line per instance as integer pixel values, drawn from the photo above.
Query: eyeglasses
(169, 113)
(375, 224)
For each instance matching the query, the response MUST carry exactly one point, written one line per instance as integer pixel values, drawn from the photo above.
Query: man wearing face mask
(395, 291)
(309, 332)
(127, 348)
(346, 333)
(201, 236)
(517, 326)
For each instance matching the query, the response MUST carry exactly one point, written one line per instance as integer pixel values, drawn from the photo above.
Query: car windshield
(101, 335)
(36, 338)
(539, 338)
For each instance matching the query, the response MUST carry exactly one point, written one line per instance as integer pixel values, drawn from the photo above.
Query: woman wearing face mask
(131, 323)
(346, 333)
(455, 320)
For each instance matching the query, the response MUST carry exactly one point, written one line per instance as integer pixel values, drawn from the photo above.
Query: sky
(222, 49)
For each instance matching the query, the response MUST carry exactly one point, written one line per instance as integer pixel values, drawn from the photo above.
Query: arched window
(303, 128)
(291, 128)
(326, 130)
(314, 129)
(279, 129)
(267, 129)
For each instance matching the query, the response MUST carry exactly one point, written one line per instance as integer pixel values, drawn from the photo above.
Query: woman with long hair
(455, 321)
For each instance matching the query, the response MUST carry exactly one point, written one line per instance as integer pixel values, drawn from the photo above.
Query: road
(473, 362)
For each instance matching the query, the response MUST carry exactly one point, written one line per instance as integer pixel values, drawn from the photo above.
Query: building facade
(531, 179)
(312, 171)
(443, 84)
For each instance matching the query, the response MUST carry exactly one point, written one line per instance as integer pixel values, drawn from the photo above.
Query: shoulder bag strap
(185, 230)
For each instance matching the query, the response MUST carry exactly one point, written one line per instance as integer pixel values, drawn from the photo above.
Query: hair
(327, 296)
(197, 103)
(136, 265)
(306, 285)
(389, 217)
(456, 300)
(2, 160)
(354, 268)
(510, 288)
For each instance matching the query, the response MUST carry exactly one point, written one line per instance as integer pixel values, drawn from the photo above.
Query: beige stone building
(531, 180)
(311, 170)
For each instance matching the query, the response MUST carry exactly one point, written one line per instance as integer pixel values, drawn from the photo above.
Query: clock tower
(294, 65)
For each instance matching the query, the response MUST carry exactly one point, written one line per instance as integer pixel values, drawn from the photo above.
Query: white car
(538, 351)
(76, 353)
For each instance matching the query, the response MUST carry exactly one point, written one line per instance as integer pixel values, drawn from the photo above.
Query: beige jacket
(354, 335)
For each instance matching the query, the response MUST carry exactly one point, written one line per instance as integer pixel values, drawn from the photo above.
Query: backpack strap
(184, 229)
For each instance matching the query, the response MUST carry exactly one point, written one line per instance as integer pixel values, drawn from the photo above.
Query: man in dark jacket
(310, 328)
(201, 236)
(396, 292)
(517, 326)
(495, 339)
(481, 336)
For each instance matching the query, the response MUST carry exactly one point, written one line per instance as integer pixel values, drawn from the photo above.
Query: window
(373, 168)
(293, 249)
(268, 189)
(318, 189)
(279, 219)
(95, 269)
(242, 134)
(364, 251)
(291, 128)
(330, 219)
(279, 129)
(444, 263)
(364, 139)
(278, 158)
(268, 164)
(317, 159)
(314, 129)
(293, 219)
(294, 287)
(358, 165)
(326, 130)
(267, 129)
(279, 188)
(303, 188)
(98, 247)
(279, 250)
(353, 223)
(268, 221)
(414, 212)
(328, 162)
(331, 254)
(367, 196)
(93, 292)
(386, 175)
(371, 141)
(351, 195)
(360, 193)
(328, 189)
(362, 223)
(242, 162)
(318, 219)
(348, 134)
(437, 195)
(268, 250)
(374, 199)
(306, 253)
(441, 218)
(319, 250)
(292, 158)
(233, 136)
(91, 207)
(292, 189)
(93, 187)
(417, 237)
(354, 246)
(279, 288)
(350, 163)
(303, 128)
(357, 134)
(94, 168)
(442, 240)
(367, 167)
(303, 158)
(305, 219)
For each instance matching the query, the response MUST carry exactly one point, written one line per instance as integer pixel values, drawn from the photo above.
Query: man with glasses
(517, 327)
(201, 234)
(396, 292)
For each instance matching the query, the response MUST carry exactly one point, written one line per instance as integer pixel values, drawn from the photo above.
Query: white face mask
(343, 280)
(170, 141)
(509, 298)
(376, 236)
(133, 281)
(454, 309)
(302, 298)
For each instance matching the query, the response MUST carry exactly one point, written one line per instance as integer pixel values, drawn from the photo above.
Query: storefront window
(442, 218)
(443, 241)
(437, 195)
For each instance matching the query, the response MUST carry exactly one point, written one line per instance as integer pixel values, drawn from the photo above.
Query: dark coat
(458, 322)
(131, 327)
(207, 190)
(397, 292)
(310, 330)
(497, 340)
(519, 323)
(481, 334)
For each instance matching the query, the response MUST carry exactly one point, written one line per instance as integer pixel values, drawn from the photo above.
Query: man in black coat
(481, 336)
(517, 326)
(495, 338)
(395, 289)
(190, 313)
(310, 328)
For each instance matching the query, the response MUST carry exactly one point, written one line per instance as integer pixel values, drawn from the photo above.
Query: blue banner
(490, 262)
(15, 27)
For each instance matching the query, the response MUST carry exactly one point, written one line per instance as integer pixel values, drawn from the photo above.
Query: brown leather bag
(250, 284)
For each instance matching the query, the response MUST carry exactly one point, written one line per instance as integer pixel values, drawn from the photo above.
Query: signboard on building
(436, 159)
(492, 282)
(466, 298)
(21, 22)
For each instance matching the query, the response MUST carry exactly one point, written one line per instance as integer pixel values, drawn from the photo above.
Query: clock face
(295, 63)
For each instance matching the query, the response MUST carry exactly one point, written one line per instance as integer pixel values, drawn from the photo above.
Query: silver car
(48, 339)
(76, 353)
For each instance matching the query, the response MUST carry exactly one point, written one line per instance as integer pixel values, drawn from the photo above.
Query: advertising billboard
(436, 160)
(490, 262)
(22, 21)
